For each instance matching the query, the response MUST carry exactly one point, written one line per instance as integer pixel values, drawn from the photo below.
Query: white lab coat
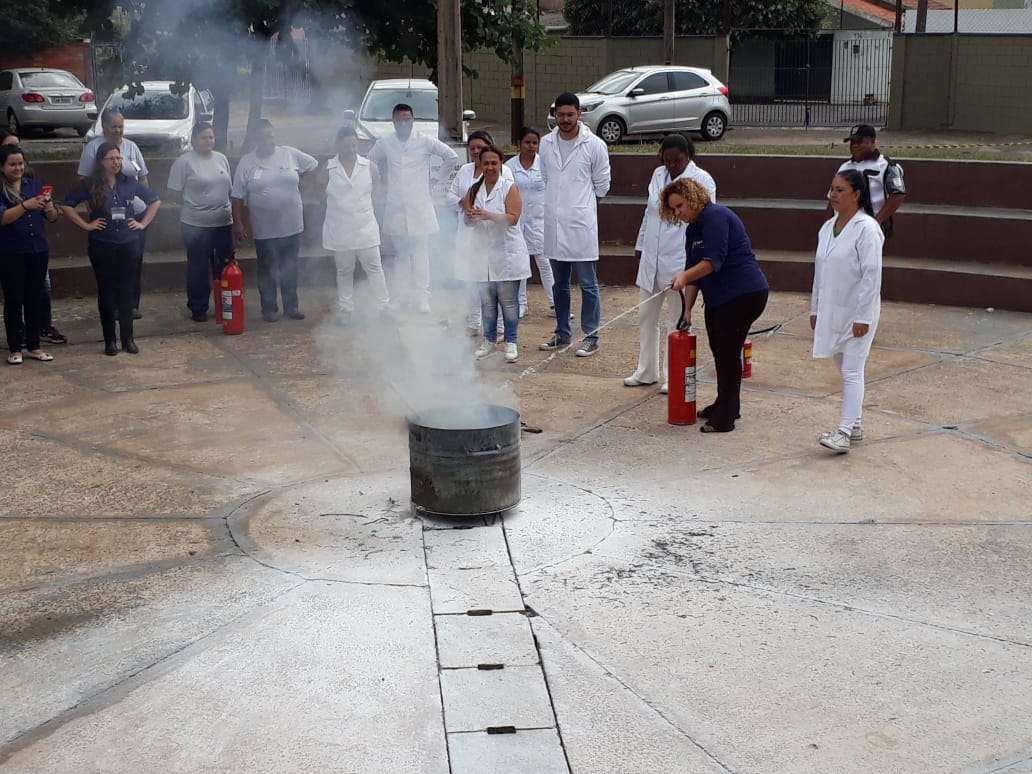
(571, 189)
(662, 244)
(496, 252)
(464, 179)
(847, 286)
(532, 192)
(350, 223)
(409, 210)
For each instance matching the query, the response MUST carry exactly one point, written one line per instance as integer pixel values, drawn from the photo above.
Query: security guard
(884, 176)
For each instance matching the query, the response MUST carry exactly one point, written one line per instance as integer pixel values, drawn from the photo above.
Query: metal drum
(465, 461)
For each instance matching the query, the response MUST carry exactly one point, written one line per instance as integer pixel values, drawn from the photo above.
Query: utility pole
(449, 69)
(668, 32)
(922, 16)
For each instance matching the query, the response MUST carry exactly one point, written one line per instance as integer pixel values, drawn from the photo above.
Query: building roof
(883, 11)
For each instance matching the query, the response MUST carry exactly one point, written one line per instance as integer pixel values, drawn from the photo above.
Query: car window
(49, 80)
(379, 105)
(654, 84)
(152, 105)
(687, 81)
(614, 83)
(6, 81)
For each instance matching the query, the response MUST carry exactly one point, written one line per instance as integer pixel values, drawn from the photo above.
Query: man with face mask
(884, 176)
(409, 219)
(267, 185)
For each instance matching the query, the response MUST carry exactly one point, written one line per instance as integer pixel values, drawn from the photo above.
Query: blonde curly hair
(694, 194)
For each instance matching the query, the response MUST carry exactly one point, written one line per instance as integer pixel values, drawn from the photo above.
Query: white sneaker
(523, 311)
(856, 434)
(423, 307)
(836, 440)
(631, 381)
(484, 350)
(511, 353)
(665, 389)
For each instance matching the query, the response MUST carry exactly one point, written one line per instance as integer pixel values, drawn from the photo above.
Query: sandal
(15, 358)
(708, 428)
(43, 357)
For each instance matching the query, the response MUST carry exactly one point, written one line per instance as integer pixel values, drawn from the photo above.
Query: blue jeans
(207, 251)
(591, 302)
(277, 268)
(491, 295)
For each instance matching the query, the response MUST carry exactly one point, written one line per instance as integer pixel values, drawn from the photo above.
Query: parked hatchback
(45, 98)
(375, 114)
(654, 100)
(159, 119)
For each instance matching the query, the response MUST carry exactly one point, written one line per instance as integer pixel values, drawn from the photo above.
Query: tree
(31, 27)
(694, 17)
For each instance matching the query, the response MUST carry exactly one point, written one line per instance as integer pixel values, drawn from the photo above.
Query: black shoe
(199, 317)
(110, 348)
(270, 316)
(297, 314)
(136, 314)
(52, 336)
(130, 346)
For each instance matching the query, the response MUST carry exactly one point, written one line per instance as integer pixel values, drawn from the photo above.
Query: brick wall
(76, 58)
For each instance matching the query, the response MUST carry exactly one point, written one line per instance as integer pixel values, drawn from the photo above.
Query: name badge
(257, 174)
(118, 213)
(135, 166)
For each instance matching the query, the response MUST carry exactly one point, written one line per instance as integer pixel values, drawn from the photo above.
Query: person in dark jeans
(719, 261)
(23, 254)
(114, 243)
(202, 178)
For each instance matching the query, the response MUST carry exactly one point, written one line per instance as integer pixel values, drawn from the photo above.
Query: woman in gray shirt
(201, 176)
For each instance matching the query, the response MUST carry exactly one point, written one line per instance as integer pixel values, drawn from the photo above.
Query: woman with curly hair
(719, 261)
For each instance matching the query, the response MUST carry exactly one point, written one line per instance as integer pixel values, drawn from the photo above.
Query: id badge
(118, 213)
(135, 166)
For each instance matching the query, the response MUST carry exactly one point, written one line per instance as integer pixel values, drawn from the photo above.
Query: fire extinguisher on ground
(232, 297)
(681, 372)
(747, 359)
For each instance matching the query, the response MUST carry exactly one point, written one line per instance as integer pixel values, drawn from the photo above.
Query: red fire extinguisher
(747, 359)
(681, 372)
(232, 297)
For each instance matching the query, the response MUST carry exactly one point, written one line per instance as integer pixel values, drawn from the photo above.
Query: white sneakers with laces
(484, 350)
(511, 353)
(835, 440)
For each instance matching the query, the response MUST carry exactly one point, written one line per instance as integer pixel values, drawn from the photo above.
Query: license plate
(61, 100)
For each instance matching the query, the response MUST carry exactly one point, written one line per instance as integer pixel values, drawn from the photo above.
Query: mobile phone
(48, 192)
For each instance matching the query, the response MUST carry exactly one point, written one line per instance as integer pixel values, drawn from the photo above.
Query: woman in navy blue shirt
(114, 239)
(24, 253)
(720, 262)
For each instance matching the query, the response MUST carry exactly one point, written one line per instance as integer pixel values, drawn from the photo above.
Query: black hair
(480, 134)
(346, 131)
(8, 191)
(5, 133)
(524, 131)
(109, 115)
(475, 188)
(566, 98)
(858, 182)
(677, 142)
(401, 107)
(199, 127)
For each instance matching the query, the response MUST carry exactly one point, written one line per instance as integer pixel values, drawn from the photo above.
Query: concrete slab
(1016, 351)
(536, 750)
(466, 641)
(347, 529)
(484, 588)
(769, 682)
(466, 549)
(607, 729)
(476, 699)
(1013, 432)
(321, 694)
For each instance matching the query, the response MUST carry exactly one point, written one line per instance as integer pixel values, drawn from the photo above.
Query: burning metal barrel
(465, 461)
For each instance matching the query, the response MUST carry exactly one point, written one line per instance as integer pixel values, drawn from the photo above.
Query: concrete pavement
(210, 563)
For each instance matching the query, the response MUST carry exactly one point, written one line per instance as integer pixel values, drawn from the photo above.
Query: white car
(654, 100)
(159, 120)
(374, 115)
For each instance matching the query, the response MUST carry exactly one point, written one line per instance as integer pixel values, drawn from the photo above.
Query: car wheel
(13, 124)
(81, 130)
(611, 130)
(713, 126)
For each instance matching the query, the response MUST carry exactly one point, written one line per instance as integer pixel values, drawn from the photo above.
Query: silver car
(45, 98)
(654, 100)
(375, 114)
(159, 120)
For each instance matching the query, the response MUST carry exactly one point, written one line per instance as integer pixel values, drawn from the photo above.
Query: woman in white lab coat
(499, 259)
(526, 171)
(660, 254)
(846, 301)
(467, 175)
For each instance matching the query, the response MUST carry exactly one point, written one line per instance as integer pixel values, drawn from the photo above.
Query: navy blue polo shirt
(25, 235)
(719, 237)
(117, 232)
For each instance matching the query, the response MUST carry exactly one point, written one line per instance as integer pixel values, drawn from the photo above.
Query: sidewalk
(211, 564)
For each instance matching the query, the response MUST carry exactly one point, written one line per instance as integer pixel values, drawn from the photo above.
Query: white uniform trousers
(369, 259)
(545, 272)
(414, 252)
(652, 368)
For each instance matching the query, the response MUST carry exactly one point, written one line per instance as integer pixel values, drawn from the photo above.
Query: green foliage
(31, 27)
(743, 18)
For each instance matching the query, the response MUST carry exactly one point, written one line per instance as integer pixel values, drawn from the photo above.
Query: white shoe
(423, 307)
(856, 434)
(511, 353)
(484, 350)
(836, 440)
(665, 389)
(631, 381)
(523, 311)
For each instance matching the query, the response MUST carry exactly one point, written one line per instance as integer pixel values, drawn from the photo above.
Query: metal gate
(836, 79)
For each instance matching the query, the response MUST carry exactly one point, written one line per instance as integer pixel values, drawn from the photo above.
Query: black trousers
(727, 327)
(114, 267)
(277, 268)
(21, 277)
(138, 270)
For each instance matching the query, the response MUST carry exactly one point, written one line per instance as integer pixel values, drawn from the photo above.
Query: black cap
(861, 130)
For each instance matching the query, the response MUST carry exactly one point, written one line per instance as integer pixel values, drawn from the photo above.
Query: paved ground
(211, 564)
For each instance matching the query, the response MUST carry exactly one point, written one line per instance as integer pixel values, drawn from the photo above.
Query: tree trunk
(256, 95)
(922, 16)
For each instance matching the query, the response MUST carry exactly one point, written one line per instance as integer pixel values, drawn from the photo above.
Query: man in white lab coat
(409, 218)
(575, 168)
